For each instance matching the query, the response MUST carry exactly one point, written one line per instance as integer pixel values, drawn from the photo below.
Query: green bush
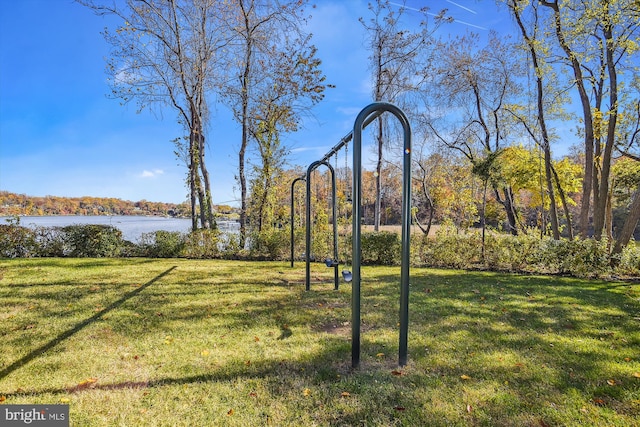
(582, 258)
(451, 248)
(629, 263)
(381, 248)
(17, 241)
(512, 253)
(92, 240)
(202, 243)
(270, 244)
(50, 241)
(162, 244)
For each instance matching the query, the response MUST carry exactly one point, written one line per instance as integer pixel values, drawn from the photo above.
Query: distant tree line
(12, 204)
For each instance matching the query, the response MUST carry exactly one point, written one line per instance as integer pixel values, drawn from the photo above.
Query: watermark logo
(34, 415)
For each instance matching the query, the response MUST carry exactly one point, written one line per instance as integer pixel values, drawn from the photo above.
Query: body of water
(132, 227)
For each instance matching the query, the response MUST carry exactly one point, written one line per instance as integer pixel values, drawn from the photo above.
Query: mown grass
(183, 343)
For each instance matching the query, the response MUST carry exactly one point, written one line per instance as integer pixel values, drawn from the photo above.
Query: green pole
(356, 230)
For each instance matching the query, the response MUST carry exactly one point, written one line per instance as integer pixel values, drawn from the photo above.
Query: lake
(132, 227)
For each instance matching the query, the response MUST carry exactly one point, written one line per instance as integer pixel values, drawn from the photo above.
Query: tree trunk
(509, 208)
(588, 119)
(600, 209)
(630, 223)
(565, 205)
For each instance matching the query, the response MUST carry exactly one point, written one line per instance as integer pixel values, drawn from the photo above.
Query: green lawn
(137, 342)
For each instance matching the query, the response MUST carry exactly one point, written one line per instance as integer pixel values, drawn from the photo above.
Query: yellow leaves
(465, 377)
(65, 400)
(204, 353)
(611, 382)
(2, 399)
(306, 392)
(230, 412)
(168, 339)
(345, 394)
(636, 374)
(380, 355)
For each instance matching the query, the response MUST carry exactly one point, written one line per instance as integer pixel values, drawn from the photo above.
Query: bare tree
(261, 30)
(395, 51)
(164, 54)
(475, 86)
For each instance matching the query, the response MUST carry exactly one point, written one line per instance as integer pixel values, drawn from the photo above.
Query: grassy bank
(180, 343)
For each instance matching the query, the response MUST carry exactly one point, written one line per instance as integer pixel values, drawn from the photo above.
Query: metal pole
(310, 169)
(356, 230)
(293, 217)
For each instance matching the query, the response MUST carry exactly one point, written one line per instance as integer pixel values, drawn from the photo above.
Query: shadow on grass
(57, 340)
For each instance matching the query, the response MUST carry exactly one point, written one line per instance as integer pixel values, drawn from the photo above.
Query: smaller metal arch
(307, 253)
(293, 183)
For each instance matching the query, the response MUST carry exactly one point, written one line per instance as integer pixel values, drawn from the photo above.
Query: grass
(183, 343)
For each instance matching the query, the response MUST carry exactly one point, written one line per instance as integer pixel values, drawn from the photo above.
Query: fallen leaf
(82, 385)
(256, 339)
(380, 355)
(627, 359)
(230, 412)
(465, 377)
(399, 408)
(64, 400)
(345, 394)
(611, 382)
(248, 362)
(2, 398)
(598, 401)
(636, 374)
(253, 394)
(396, 373)
(306, 392)
(88, 381)
(204, 353)
(469, 408)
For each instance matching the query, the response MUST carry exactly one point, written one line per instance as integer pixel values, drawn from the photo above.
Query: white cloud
(151, 174)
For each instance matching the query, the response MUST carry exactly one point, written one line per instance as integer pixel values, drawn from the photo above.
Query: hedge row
(448, 249)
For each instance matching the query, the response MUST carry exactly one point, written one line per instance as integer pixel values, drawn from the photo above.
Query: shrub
(50, 241)
(508, 252)
(582, 258)
(17, 241)
(629, 262)
(163, 244)
(271, 244)
(92, 240)
(381, 248)
(454, 249)
(202, 243)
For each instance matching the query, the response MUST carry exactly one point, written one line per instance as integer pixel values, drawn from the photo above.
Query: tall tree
(261, 31)
(472, 88)
(394, 53)
(597, 40)
(294, 84)
(164, 54)
(530, 36)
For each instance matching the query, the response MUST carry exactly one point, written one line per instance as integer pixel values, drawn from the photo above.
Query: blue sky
(60, 135)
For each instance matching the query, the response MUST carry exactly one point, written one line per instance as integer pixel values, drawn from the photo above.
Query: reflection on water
(132, 227)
